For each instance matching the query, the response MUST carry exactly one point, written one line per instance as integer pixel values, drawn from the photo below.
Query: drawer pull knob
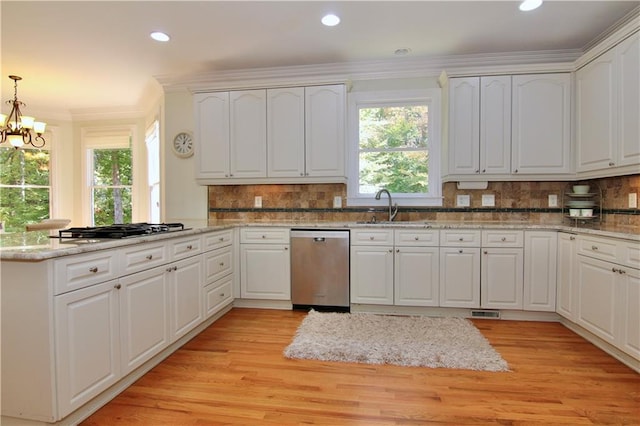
(371, 238)
(572, 238)
(622, 271)
(94, 269)
(417, 238)
(486, 252)
(149, 257)
(221, 263)
(614, 270)
(460, 251)
(117, 286)
(461, 239)
(594, 247)
(189, 247)
(611, 163)
(221, 239)
(221, 294)
(169, 269)
(504, 239)
(286, 248)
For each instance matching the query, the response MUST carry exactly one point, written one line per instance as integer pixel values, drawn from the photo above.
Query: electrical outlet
(488, 200)
(337, 202)
(463, 200)
(553, 200)
(257, 202)
(633, 200)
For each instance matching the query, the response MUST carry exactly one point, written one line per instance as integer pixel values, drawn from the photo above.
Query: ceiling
(88, 55)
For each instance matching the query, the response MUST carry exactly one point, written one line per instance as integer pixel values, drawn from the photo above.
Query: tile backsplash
(514, 201)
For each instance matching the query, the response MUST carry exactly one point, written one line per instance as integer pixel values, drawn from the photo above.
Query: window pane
(394, 127)
(400, 172)
(111, 205)
(24, 167)
(20, 206)
(112, 167)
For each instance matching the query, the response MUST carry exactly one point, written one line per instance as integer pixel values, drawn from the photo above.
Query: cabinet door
(629, 285)
(325, 130)
(285, 132)
(212, 135)
(144, 316)
(501, 278)
(566, 276)
(596, 104)
(495, 124)
(248, 133)
(185, 284)
(416, 275)
(597, 298)
(464, 125)
(217, 264)
(540, 259)
(541, 123)
(460, 277)
(265, 271)
(629, 126)
(372, 275)
(87, 344)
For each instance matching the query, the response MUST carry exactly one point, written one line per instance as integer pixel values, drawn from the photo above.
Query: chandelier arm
(39, 141)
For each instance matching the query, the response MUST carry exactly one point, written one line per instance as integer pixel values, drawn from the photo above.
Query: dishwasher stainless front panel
(320, 268)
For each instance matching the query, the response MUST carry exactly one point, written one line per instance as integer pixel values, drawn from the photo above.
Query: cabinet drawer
(216, 240)
(217, 295)
(629, 253)
(185, 247)
(74, 272)
(371, 236)
(217, 264)
(460, 238)
(405, 237)
(144, 257)
(501, 238)
(264, 235)
(599, 248)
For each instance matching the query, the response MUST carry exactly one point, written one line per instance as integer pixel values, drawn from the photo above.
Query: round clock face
(183, 145)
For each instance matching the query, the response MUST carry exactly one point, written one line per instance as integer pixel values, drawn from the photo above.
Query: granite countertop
(38, 245)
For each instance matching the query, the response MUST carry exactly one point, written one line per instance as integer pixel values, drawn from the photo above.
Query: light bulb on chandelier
(17, 128)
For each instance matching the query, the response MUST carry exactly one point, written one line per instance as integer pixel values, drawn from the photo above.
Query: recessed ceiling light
(402, 51)
(330, 20)
(159, 36)
(528, 5)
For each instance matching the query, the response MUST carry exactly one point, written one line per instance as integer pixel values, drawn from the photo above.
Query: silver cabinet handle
(504, 239)
(572, 238)
(611, 163)
(221, 263)
(117, 286)
(461, 239)
(149, 257)
(416, 238)
(594, 247)
(397, 250)
(221, 294)
(221, 239)
(189, 247)
(614, 270)
(94, 269)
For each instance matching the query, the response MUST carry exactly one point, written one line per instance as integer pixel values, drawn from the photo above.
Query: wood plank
(234, 373)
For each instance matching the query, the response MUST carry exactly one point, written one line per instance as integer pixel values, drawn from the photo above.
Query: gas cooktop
(120, 230)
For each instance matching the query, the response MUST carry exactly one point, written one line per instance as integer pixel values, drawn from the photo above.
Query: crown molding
(538, 61)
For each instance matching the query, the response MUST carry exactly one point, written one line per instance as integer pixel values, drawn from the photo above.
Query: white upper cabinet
(212, 135)
(495, 125)
(283, 135)
(285, 132)
(607, 110)
(248, 133)
(541, 123)
(464, 122)
(325, 131)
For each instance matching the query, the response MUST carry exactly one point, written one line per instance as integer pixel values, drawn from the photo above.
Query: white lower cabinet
(144, 316)
(501, 280)
(372, 274)
(540, 260)
(87, 346)
(416, 275)
(265, 264)
(217, 295)
(629, 302)
(185, 284)
(566, 291)
(460, 277)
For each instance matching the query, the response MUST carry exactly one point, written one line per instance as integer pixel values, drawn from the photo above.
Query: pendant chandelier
(18, 129)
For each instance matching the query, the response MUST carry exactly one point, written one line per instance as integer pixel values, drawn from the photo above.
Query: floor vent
(485, 314)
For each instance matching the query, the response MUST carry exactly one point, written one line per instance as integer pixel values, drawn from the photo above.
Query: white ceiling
(83, 55)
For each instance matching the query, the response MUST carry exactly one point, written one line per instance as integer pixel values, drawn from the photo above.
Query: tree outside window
(25, 188)
(111, 186)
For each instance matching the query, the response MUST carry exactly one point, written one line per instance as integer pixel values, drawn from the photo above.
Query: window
(153, 171)
(109, 172)
(25, 189)
(395, 144)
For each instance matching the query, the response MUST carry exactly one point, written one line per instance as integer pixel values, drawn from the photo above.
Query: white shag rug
(415, 341)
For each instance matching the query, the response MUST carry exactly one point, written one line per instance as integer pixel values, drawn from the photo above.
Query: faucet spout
(392, 212)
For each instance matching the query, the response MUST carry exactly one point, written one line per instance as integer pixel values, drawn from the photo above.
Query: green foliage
(394, 149)
(24, 187)
(112, 179)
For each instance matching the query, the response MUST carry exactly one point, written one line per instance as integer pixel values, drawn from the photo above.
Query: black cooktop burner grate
(120, 231)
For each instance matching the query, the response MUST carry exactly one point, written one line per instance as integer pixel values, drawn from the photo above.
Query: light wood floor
(234, 373)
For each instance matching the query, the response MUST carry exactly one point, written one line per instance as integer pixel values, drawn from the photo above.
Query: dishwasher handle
(319, 239)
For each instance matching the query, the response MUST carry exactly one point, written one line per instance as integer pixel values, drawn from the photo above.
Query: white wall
(183, 200)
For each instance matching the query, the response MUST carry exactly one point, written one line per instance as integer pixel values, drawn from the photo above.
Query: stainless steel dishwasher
(320, 269)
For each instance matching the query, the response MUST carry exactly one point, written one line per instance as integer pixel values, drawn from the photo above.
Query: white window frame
(104, 138)
(429, 97)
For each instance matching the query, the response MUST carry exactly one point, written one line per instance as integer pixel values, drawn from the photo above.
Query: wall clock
(183, 145)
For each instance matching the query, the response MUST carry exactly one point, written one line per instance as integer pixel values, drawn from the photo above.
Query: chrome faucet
(392, 215)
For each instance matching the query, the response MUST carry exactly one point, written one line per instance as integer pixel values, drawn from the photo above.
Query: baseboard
(284, 305)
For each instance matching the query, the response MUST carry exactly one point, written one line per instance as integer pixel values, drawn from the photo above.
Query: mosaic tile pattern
(514, 201)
